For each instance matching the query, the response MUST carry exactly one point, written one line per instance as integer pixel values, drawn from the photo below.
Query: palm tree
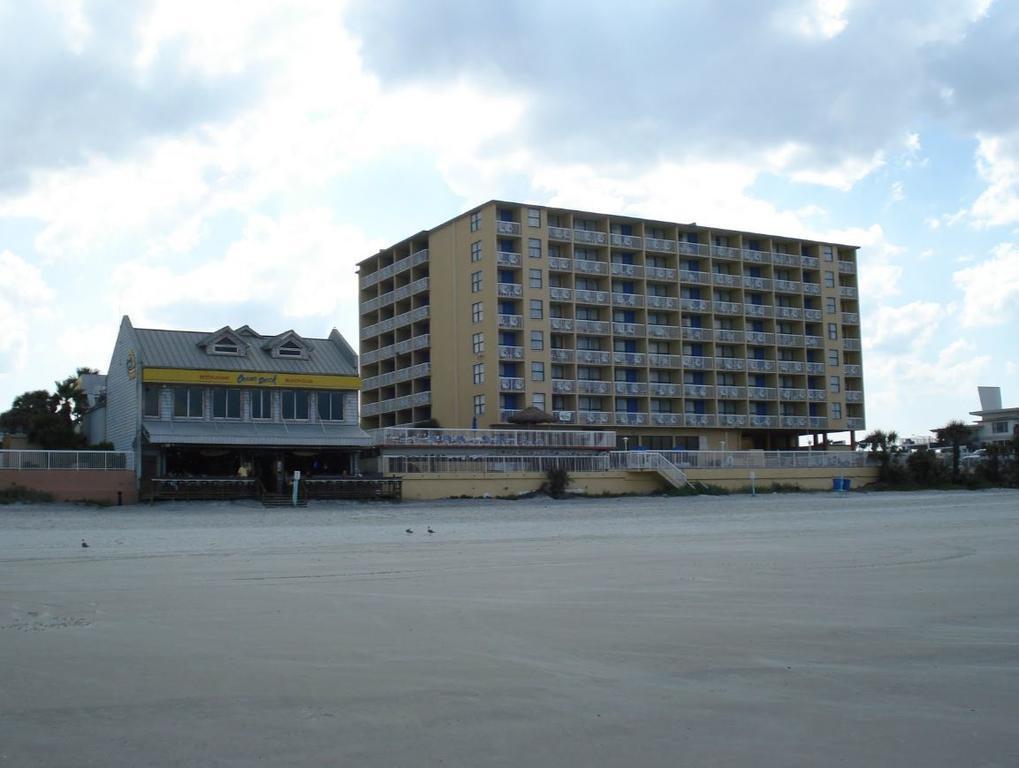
(957, 433)
(883, 445)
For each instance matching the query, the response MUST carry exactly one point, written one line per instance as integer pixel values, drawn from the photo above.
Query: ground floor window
(226, 403)
(261, 404)
(294, 404)
(187, 402)
(330, 406)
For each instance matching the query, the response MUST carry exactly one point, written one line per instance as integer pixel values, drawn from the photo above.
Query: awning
(255, 435)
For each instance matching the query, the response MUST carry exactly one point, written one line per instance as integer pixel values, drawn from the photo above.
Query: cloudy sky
(198, 164)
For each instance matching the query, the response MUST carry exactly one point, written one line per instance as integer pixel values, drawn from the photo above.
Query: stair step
(281, 500)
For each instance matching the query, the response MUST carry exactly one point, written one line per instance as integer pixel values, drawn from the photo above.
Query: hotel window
(533, 217)
(534, 247)
(478, 343)
(479, 373)
(836, 410)
(999, 427)
(828, 253)
(476, 250)
(536, 309)
(151, 397)
(187, 402)
(829, 279)
(834, 384)
(534, 278)
(829, 305)
(833, 331)
(261, 403)
(475, 281)
(477, 312)
(833, 358)
(330, 406)
(479, 405)
(294, 404)
(537, 371)
(537, 340)
(475, 221)
(538, 400)
(226, 403)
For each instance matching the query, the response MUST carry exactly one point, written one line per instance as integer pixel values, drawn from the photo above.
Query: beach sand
(781, 630)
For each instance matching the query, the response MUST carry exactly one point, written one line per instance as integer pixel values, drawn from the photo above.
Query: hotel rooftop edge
(672, 334)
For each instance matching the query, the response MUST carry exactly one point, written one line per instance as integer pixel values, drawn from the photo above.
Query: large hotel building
(673, 335)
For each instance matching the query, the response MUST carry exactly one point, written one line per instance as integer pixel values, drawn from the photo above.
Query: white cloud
(843, 175)
(912, 325)
(990, 288)
(24, 296)
(998, 165)
(818, 19)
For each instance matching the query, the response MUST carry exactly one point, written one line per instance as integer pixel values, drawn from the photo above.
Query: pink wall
(75, 484)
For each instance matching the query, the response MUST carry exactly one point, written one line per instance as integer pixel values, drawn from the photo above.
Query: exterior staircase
(275, 500)
(650, 461)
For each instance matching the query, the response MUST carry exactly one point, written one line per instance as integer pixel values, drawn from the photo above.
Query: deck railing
(105, 460)
(493, 438)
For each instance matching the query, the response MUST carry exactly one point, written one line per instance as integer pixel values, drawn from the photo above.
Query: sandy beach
(782, 630)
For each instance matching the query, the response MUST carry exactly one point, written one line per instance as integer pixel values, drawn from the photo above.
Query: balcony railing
(850, 318)
(626, 270)
(560, 233)
(561, 355)
(392, 323)
(509, 289)
(662, 302)
(847, 267)
(594, 327)
(734, 337)
(852, 369)
(628, 329)
(507, 227)
(586, 387)
(396, 404)
(854, 396)
(564, 386)
(507, 259)
(729, 364)
(560, 264)
(402, 347)
(589, 236)
(631, 419)
(792, 394)
(627, 300)
(593, 357)
(665, 274)
(628, 358)
(855, 423)
(791, 366)
(407, 262)
(624, 241)
(95, 460)
(591, 267)
(395, 377)
(732, 393)
(511, 384)
(766, 366)
(669, 332)
(413, 437)
(560, 294)
(851, 345)
(699, 419)
(510, 321)
(591, 297)
(510, 353)
(403, 292)
(720, 278)
(698, 390)
(761, 393)
(701, 278)
(656, 360)
(660, 245)
(658, 389)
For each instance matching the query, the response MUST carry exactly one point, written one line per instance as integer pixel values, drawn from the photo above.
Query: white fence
(489, 465)
(767, 459)
(66, 460)
(494, 438)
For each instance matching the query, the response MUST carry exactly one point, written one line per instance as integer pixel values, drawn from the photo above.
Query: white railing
(766, 459)
(495, 438)
(653, 461)
(105, 460)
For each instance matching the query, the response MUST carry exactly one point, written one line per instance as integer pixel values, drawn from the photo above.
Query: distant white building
(996, 424)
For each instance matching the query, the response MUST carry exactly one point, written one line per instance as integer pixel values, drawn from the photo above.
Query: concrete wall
(813, 479)
(76, 484)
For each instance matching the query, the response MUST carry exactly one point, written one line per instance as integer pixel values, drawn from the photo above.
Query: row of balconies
(396, 404)
(401, 265)
(392, 323)
(604, 418)
(658, 389)
(403, 292)
(399, 348)
(396, 377)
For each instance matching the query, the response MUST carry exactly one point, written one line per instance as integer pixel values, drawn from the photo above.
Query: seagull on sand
(430, 529)
(410, 530)
(84, 545)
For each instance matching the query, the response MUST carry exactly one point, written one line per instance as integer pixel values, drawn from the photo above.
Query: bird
(84, 544)
(430, 529)
(410, 530)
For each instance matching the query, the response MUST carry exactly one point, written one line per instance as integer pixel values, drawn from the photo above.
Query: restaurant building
(234, 403)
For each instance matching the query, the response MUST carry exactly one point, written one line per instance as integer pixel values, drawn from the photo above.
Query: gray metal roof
(180, 349)
(256, 434)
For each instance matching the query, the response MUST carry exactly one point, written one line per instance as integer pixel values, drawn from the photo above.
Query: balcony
(725, 252)
(396, 377)
(792, 394)
(628, 329)
(624, 241)
(560, 233)
(855, 423)
(593, 327)
(593, 357)
(734, 337)
(507, 259)
(630, 419)
(689, 333)
(560, 294)
(511, 384)
(626, 270)
(558, 263)
(697, 363)
(692, 249)
(628, 358)
(789, 313)
(729, 364)
(694, 305)
(510, 353)
(812, 341)
(817, 422)
(732, 393)
(851, 345)
(403, 292)
(719, 278)
(396, 404)
(592, 418)
(853, 370)
(698, 390)
(759, 337)
(854, 396)
(814, 289)
(627, 300)
(757, 257)
(560, 355)
(848, 292)
(817, 395)
(789, 340)
(661, 302)
(765, 366)
(810, 262)
(659, 389)
(762, 421)
(757, 310)
(566, 417)
(785, 259)
(587, 387)
(815, 367)
(699, 419)
(762, 393)
(669, 332)
(665, 274)
(795, 422)
(701, 278)
(392, 323)
(732, 420)
(507, 227)
(656, 360)
(812, 314)
(401, 265)
(509, 289)
(563, 324)
(408, 345)
(659, 245)
(847, 267)
(589, 236)
(590, 267)
(631, 388)
(757, 283)
(564, 386)
(791, 366)
(591, 297)
(666, 419)
(787, 286)
(851, 318)
(727, 308)
(511, 321)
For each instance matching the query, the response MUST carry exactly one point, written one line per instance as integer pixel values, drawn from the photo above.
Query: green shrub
(557, 480)
(19, 494)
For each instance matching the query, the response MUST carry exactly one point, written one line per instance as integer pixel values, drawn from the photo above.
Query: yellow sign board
(249, 379)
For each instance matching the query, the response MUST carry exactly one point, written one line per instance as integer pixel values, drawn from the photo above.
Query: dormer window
(225, 348)
(289, 349)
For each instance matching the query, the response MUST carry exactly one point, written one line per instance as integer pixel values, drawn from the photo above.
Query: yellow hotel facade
(673, 335)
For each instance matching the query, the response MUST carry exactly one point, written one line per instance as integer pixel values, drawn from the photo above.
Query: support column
(826, 441)
(852, 439)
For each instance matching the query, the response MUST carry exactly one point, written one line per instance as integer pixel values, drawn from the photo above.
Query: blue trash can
(846, 482)
(836, 483)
